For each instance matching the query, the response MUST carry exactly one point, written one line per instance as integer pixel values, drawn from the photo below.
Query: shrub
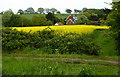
(75, 44)
(49, 42)
(13, 39)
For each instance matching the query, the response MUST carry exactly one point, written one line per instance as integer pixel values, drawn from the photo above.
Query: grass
(105, 41)
(38, 55)
(30, 66)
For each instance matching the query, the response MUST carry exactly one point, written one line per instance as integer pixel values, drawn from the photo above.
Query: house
(71, 19)
(59, 23)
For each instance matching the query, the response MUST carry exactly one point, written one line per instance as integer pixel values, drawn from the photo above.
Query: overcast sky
(60, 5)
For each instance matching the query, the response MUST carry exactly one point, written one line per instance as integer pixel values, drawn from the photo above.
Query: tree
(58, 12)
(47, 10)
(68, 11)
(84, 9)
(93, 17)
(82, 19)
(39, 20)
(113, 20)
(79, 11)
(52, 18)
(75, 10)
(87, 14)
(53, 10)
(30, 10)
(20, 11)
(40, 10)
(6, 17)
(49, 23)
(24, 21)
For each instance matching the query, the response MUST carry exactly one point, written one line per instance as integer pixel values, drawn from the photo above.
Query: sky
(60, 5)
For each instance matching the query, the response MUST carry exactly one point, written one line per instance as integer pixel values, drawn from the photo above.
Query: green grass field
(30, 66)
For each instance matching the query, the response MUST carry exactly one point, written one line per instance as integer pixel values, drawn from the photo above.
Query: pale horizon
(60, 5)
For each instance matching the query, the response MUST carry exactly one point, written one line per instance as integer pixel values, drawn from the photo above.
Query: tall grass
(29, 66)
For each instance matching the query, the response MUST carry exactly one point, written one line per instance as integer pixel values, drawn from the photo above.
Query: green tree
(87, 14)
(39, 20)
(68, 11)
(58, 12)
(49, 23)
(47, 10)
(52, 18)
(9, 19)
(84, 9)
(25, 21)
(93, 17)
(53, 10)
(75, 10)
(113, 20)
(30, 10)
(82, 19)
(40, 10)
(20, 11)
(6, 17)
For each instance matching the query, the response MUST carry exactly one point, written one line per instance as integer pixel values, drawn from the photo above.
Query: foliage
(40, 10)
(58, 12)
(10, 19)
(25, 21)
(20, 11)
(87, 14)
(16, 40)
(77, 11)
(68, 11)
(86, 71)
(73, 43)
(82, 19)
(53, 10)
(47, 10)
(93, 17)
(6, 17)
(113, 19)
(39, 20)
(49, 23)
(52, 18)
(30, 10)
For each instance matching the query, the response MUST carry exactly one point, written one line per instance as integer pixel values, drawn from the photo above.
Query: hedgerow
(68, 43)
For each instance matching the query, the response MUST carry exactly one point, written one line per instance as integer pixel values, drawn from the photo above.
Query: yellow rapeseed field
(64, 28)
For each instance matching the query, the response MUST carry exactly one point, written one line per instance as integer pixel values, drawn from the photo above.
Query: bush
(13, 39)
(76, 44)
(48, 42)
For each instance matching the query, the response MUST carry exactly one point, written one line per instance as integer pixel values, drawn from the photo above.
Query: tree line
(10, 19)
(85, 16)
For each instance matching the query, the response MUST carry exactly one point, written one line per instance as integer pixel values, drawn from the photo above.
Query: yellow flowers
(64, 29)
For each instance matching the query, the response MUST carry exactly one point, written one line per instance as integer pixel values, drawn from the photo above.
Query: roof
(59, 23)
